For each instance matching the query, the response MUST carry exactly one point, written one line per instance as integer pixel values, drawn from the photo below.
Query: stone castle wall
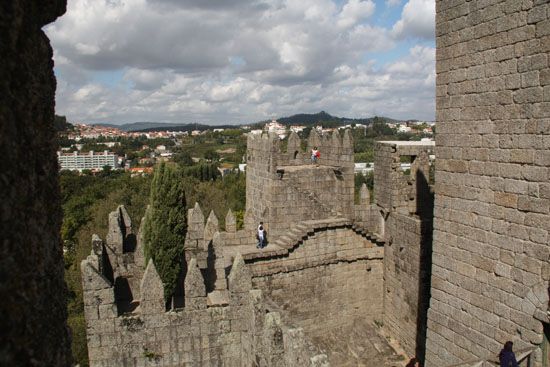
(331, 278)
(33, 325)
(222, 323)
(334, 264)
(492, 207)
(321, 273)
(403, 205)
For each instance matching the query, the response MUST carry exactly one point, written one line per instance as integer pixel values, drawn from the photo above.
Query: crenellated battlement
(284, 186)
(336, 150)
(215, 314)
(138, 289)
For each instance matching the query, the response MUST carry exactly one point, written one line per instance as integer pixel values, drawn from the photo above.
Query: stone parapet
(227, 324)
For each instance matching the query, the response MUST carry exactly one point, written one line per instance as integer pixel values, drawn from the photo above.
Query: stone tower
(284, 187)
(491, 252)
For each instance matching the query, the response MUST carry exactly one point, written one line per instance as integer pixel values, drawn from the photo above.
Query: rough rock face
(33, 329)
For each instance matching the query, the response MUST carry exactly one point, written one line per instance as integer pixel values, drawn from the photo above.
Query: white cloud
(354, 11)
(146, 79)
(417, 20)
(236, 61)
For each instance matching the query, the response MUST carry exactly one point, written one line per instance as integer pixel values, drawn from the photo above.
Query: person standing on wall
(261, 236)
(315, 155)
(507, 357)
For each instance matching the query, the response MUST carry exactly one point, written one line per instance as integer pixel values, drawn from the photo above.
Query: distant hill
(324, 118)
(311, 119)
(186, 127)
(138, 126)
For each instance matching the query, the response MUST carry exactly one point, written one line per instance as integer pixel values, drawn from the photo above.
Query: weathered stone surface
(194, 282)
(285, 187)
(219, 263)
(325, 272)
(152, 291)
(491, 218)
(403, 215)
(240, 279)
(194, 239)
(211, 227)
(32, 291)
(139, 256)
(221, 327)
(230, 222)
(115, 236)
(294, 149)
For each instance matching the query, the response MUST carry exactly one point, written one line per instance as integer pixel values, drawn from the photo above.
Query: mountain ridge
(307, 119)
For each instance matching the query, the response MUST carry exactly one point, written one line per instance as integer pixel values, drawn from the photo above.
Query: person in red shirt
(315, 155)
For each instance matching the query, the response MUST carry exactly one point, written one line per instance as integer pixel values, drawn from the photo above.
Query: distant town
(94, 148)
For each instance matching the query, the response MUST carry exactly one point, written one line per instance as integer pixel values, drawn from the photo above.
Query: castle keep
(283, 187)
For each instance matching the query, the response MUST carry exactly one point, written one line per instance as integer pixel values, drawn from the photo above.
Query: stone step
(265, 252)
(369, 235)
(285, 245)
(286, 239)
(297, 235)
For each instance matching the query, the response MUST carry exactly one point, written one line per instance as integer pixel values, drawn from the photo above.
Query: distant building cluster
(78, 161)
(83, 131)
(413, 127)
(87, 161)
(277, 128)
(425, 127)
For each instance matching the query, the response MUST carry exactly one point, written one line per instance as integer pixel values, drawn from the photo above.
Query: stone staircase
(373, 237)
(294, 237)
(301, 231)
(311, 196)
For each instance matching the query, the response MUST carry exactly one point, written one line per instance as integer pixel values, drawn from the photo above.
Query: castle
(451, 271)
(329, 263)
(486, 257)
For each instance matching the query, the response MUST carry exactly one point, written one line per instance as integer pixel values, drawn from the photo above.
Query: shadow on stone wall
(179, 291)
(424, 209)
(33, 309)
(209, 273)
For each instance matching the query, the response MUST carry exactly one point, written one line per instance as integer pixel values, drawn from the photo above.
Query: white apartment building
(77, 162)
(275, 127)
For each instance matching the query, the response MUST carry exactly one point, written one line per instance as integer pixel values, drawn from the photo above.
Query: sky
(243, 61)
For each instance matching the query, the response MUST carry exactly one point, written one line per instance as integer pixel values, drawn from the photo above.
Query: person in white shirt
(315, 155)
(261, 236)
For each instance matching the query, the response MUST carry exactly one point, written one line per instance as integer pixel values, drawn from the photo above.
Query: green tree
(183, 159)
(166, 224)
(211, 155)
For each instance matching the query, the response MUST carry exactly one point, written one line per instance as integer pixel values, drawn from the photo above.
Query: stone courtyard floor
(359, 345)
